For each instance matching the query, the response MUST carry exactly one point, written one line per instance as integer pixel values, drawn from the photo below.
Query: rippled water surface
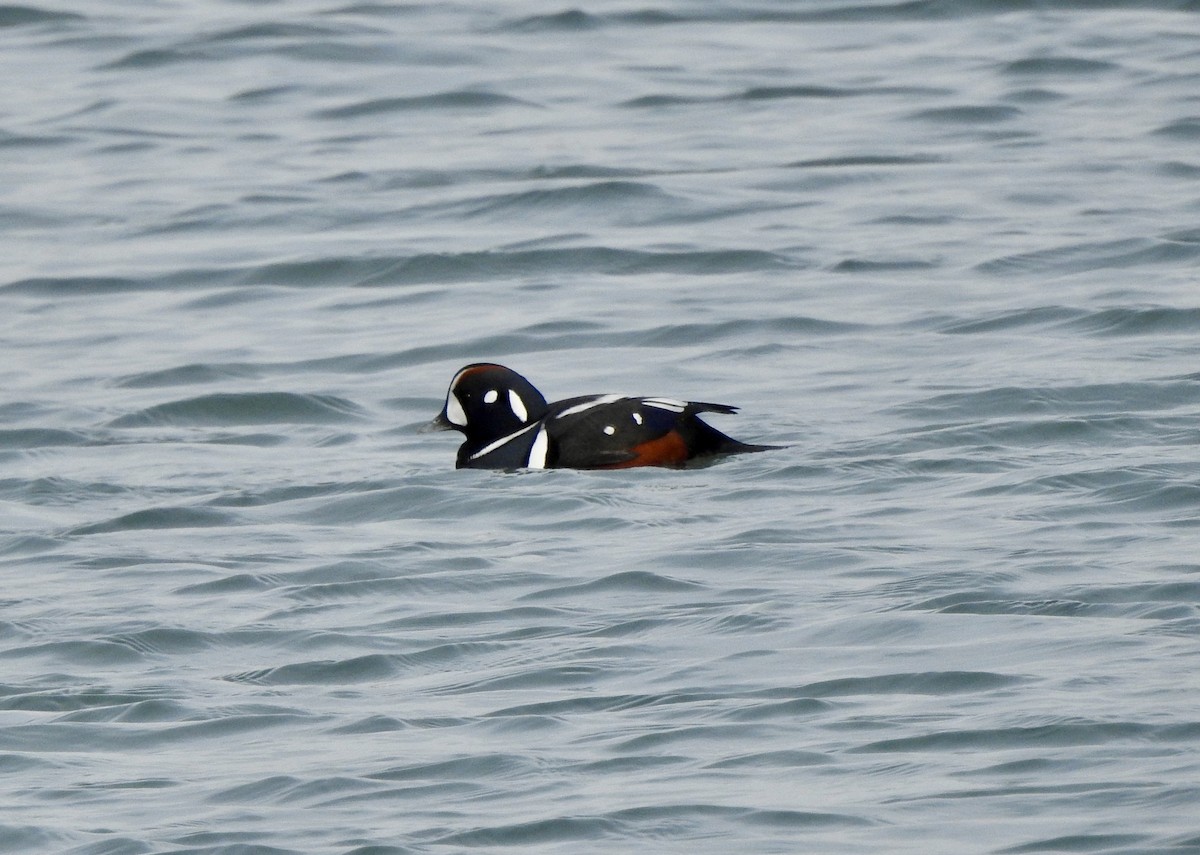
(946, 253)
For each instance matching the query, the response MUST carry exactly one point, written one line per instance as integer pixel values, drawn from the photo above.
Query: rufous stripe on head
(468, 371)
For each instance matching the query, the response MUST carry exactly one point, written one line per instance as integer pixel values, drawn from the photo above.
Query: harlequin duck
(509, 425)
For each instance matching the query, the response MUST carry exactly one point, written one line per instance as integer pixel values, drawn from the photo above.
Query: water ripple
(944, 251)
(458, 100)
(251, 408)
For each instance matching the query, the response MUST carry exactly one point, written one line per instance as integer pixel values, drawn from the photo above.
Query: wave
(828, 12)
(159, 519)
(249, 408)
(1176, 248)
(9, 139)
(584, 199)
(359, 669)
(183, 375)
(1013, 319)
(861, 160)
(778, 93)
(1127, 321)
(425, 268)
(1183, 129)
(968, 114)
(24, 16)
(25, 438)
(72, 286)
(1041, 66)
(323, 42)
(654, 822)
(1118, 400)
(1106, 322)
(456, 100)
(1046, 736)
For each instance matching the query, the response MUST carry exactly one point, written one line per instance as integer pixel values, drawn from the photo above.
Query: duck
(508, 424)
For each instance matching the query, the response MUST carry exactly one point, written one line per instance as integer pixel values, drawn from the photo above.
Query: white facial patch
(491, 396)
(517, 405)
(610, 430)
(454, 411)
(637, 417)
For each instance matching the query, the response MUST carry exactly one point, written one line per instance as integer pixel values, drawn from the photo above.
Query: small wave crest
(250, 408)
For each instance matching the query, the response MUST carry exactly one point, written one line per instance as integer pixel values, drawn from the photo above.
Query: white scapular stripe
(598, 401)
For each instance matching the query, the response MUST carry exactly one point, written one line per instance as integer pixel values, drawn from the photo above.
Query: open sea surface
(946, 252)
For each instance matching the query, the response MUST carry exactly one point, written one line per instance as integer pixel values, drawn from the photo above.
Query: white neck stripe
(492, 446)
(539, 450)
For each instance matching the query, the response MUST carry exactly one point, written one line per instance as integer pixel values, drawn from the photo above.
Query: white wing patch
(669, 404)
(517, 405)
(598, 401)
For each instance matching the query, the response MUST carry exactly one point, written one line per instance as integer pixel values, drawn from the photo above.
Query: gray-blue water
(946, 252)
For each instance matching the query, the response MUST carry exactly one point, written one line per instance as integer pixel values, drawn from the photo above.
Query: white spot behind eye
(637, 417)
(454, 411)
(518, 406)
(491, 396)
(610, 430)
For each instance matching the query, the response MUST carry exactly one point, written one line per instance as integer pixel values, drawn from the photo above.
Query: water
(945, 252)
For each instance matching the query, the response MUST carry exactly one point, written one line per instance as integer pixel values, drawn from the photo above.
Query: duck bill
(439, 423)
